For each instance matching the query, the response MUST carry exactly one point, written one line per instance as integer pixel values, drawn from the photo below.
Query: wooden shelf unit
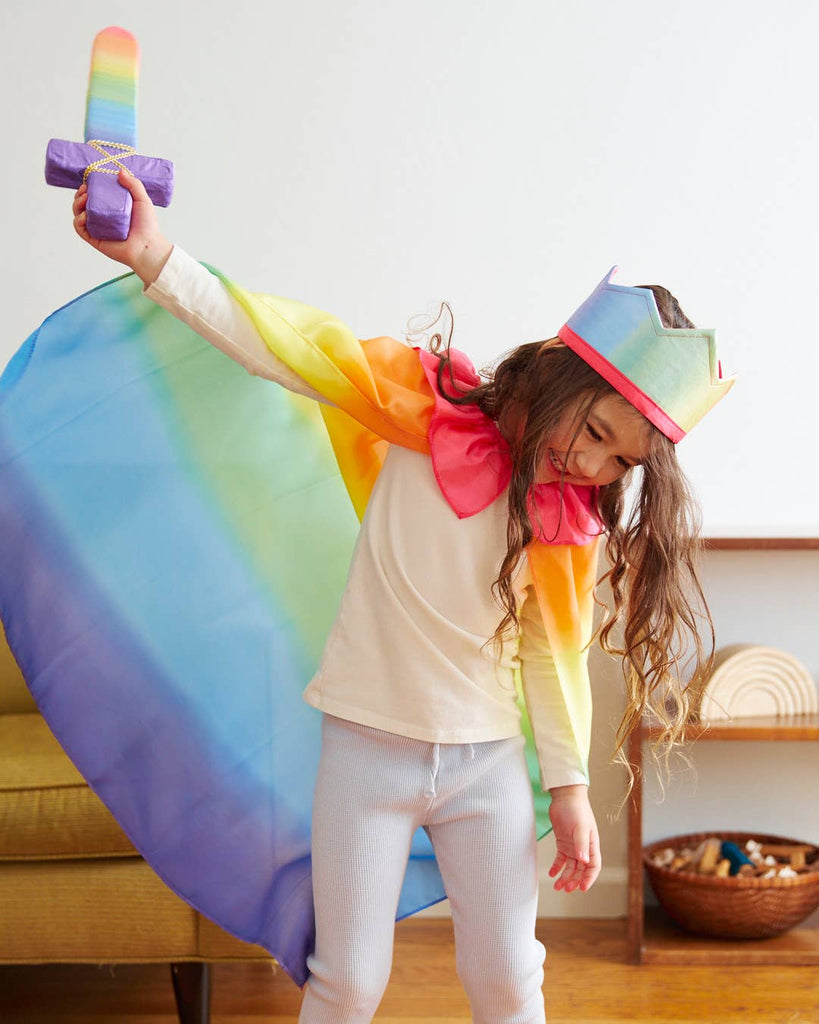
(653, 937)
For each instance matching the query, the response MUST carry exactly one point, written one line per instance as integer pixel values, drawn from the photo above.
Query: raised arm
(187, 289)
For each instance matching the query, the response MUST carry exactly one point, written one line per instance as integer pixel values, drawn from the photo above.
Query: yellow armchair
(72, 887)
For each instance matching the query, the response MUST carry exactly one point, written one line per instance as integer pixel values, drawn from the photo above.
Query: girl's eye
(593, 433)
(597, 436)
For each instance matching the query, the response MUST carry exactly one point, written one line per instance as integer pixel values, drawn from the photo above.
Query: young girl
(480, 522)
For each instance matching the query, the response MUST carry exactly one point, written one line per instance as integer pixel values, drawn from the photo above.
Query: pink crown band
(618, 380)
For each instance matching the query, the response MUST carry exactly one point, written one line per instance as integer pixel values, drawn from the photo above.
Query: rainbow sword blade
(111, 106)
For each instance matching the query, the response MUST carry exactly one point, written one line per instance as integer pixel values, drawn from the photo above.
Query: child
(442, 604)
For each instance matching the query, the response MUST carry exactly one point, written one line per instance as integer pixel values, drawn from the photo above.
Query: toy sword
(110, 141)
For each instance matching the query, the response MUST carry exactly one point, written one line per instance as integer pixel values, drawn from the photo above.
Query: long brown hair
(651, 548)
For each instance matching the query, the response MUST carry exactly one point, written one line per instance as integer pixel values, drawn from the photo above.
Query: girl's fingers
(593, 864)
(571, 877)
(576, 872)
(565, 868)
(81, 227)
(557, 864)
(134, 186)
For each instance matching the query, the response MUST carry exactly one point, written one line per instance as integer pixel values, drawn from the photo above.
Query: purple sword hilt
(109, 204)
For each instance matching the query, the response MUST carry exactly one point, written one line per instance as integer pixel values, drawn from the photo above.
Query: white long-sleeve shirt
(410, 651)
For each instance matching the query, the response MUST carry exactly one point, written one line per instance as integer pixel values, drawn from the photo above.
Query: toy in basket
(734, 885)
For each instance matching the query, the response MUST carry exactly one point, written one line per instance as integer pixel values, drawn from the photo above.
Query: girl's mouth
(557, 465)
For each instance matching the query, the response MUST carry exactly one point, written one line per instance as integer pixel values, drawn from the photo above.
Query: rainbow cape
(175, 536)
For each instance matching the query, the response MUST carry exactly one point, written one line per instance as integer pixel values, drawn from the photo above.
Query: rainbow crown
(671, 375)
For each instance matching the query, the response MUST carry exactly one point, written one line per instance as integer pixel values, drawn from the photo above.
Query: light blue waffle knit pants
(374, 789)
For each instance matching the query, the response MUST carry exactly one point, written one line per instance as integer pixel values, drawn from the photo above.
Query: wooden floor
(587, 982)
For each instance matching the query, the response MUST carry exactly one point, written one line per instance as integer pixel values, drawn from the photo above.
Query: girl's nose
(588, 463)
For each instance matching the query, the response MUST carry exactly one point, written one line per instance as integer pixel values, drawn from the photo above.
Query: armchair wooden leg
(191, 986)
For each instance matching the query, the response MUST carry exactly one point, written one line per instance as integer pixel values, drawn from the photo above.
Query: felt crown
(671, 375)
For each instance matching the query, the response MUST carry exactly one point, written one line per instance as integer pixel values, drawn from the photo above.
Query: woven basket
(734, 907)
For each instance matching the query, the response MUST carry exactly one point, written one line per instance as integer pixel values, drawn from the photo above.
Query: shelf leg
(636, 909)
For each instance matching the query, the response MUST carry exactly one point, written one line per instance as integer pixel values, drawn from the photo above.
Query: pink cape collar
(472, 466)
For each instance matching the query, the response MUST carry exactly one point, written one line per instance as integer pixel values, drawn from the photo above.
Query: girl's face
(611, 439)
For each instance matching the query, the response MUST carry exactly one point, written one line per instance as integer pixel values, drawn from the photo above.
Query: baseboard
(606, 898)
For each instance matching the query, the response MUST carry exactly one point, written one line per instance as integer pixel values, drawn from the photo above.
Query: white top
(409, 651)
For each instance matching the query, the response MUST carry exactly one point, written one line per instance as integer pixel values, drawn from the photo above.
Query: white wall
(372, 157)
